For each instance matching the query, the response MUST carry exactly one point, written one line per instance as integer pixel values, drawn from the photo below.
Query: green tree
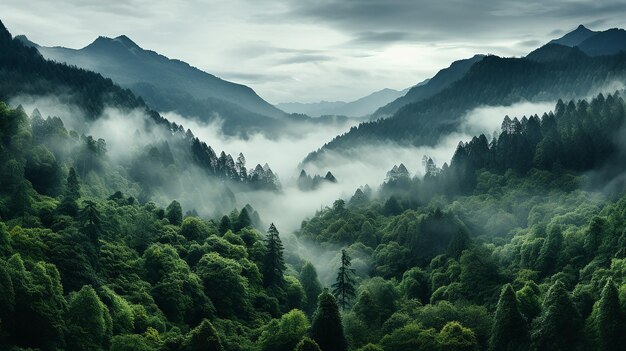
(204, 337)
(609, 322)
(549, 253)
(559, 327)
(224, 225)
(510, 330)
(343, 288)
(529, 303)
(307, 344)
(312, 287)
(91, 222)
(327, 329)
(243, 220)
(273, 262)
(174, 213)
(284, 333)
(455, 337)
(88, 321)
(73, 185)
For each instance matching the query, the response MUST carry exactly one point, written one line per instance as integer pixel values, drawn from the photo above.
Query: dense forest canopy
(517, 243)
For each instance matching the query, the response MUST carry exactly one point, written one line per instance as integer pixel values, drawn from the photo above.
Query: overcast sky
(297, 50)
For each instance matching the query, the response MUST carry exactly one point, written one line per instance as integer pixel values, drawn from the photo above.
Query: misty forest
(147, 205)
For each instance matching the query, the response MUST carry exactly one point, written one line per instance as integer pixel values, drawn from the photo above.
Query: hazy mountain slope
(175, 84)
(24, 72)
(609, 42)
(555, 52)
(440, 81)
(361, 107)
(127, 63)
(574, 37)
(492, 81)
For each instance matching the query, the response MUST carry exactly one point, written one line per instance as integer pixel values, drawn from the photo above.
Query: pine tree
(204, 337)
(91, 222)
(174, 213)
(73, 185)
(343, 288)
(326, 329)
(559, 327)
(510, 330)
(273, 262)
(609, 320)
(312, 287)
(243, 220)
(224, 225)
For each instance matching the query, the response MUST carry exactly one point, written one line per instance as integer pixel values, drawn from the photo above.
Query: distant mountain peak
(127, 41)
(105, 42)
(22, 38)
(575, 37)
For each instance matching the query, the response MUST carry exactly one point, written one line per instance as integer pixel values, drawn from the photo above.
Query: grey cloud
(378, 38)
(305, 59)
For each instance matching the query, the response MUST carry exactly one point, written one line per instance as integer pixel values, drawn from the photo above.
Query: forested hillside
(515, 245)
(145, 240)
(494, 81)
(170, 148)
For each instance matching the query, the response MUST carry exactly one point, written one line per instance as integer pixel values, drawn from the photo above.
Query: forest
(517, 243)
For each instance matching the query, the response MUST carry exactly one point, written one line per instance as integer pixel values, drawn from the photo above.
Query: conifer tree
(204, 337)
(73, 185)
(343, 288)
(174, 213)
(224, 225)
(609, 320)
(559, 327)
(510, 330)
(326, 329)
(311, 285)
(273, 262)
(91, 222)
(243, 220)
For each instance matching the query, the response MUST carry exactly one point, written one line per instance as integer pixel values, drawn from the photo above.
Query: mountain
(574, 37)
(592, 43)
(439, 82)
(609, 42)
(555, 52)
(168, 84)
(358, 108)
(24, 72)
(492, 81)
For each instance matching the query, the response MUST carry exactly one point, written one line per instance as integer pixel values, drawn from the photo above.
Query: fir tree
(273, 262)
(609, 320)
(559, 327)
(224, 225)
(73, 185)
(343, 288)
(204, 337)
(174, 213)
(326, 329)
(311, 285)
(91, 222)
(510, 330)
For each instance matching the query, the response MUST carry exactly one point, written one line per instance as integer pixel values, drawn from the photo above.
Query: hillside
(168, 84)
(358, 108)
(431, 87)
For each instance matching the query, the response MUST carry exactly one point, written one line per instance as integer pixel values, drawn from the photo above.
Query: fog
(352, 167)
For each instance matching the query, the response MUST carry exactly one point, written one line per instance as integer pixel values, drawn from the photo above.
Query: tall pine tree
(510, 330)
(273, 262)
(559, 327)
(343, 288)
(91, 222)
(326, 329)
(609, 320)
